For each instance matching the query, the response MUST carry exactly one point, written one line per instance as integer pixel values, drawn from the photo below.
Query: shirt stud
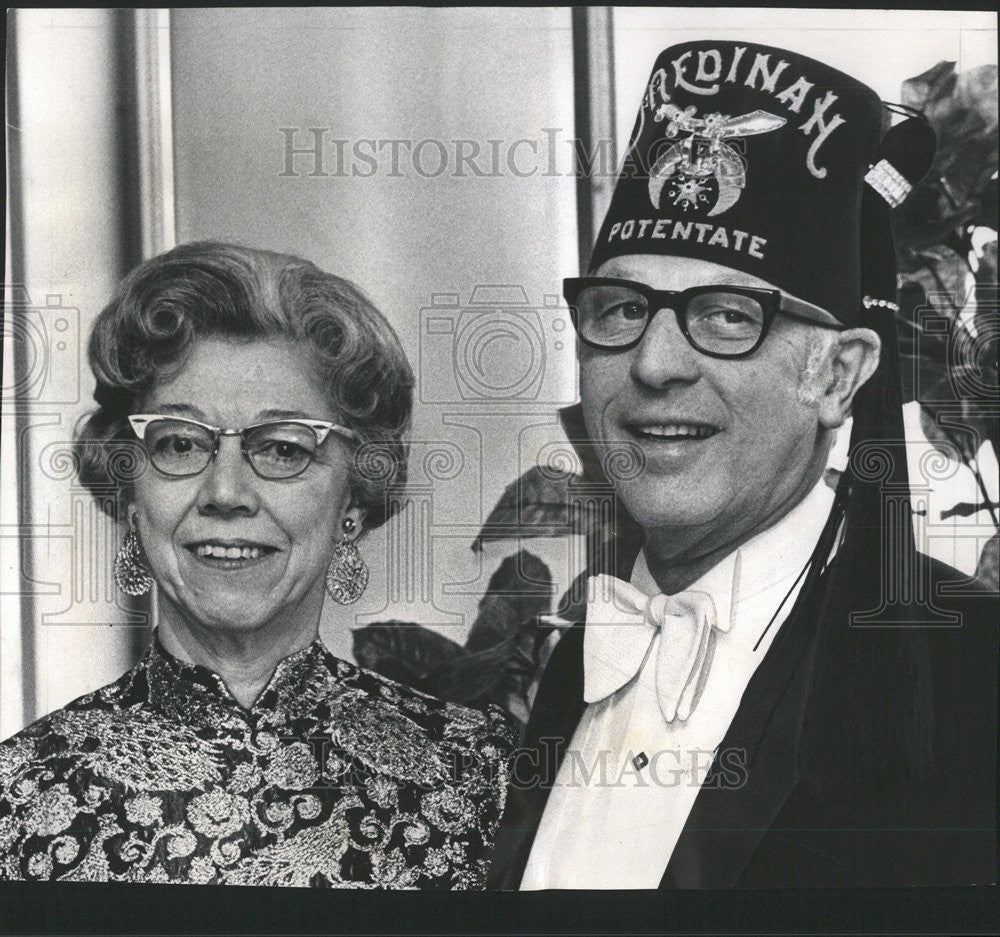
(640, 761)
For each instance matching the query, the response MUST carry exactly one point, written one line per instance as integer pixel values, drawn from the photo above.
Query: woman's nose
(664, 355)
(229, 484)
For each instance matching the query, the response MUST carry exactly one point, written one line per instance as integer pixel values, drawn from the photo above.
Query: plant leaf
(404, 651)
(538, 504)
(499, 674)
(988, 568)
(962, 109)
(519, 591)
(573, 603)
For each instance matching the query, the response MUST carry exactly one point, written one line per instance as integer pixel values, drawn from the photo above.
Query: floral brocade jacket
(336, 777)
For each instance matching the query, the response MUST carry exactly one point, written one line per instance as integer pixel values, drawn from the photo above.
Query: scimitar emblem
(702, 153)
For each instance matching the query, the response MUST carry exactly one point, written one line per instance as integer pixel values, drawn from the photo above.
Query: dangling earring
(347, 577)
(131, 573)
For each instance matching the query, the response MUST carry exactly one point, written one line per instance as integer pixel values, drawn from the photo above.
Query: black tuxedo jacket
(768, 815)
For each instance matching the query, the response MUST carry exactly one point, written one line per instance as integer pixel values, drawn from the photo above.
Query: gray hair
(210, 289)
(813, 372)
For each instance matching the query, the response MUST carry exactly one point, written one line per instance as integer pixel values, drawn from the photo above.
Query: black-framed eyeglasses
(278, 449)
(718, 320)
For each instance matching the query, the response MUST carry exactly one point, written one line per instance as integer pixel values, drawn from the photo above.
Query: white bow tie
(621, 624)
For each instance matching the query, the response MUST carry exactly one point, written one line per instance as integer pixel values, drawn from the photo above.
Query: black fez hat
(755, 158)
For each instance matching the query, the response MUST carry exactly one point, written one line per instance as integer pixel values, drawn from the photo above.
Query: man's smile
(673, 431)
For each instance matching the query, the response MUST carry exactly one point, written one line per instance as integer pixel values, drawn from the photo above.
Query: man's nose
(664, 355)
(229, 483)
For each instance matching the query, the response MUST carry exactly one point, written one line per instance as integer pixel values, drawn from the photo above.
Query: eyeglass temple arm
(322, 430)
(835, 326)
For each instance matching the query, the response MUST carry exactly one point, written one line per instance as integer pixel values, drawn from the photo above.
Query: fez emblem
(701, 162)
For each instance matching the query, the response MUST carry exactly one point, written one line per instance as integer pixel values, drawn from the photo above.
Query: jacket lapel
(755, 769)
(555, 715)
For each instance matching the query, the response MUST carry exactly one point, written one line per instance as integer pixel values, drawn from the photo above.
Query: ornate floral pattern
(336, 777)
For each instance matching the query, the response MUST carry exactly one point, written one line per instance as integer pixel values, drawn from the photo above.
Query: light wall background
(466, 265)
(418, 231)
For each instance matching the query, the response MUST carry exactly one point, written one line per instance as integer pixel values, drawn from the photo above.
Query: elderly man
(779, 689)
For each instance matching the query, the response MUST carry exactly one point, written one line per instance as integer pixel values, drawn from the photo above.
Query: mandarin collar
(193, 692)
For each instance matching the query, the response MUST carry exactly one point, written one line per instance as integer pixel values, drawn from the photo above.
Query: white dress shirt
(629, 778)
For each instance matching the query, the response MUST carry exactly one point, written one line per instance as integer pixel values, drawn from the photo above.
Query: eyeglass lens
(719, 321)
(276, 450)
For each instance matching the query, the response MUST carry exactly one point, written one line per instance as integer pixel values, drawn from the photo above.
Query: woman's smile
(230, 549)
(228, 555)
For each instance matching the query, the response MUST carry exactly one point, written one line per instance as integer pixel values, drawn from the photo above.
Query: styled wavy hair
(202, 289)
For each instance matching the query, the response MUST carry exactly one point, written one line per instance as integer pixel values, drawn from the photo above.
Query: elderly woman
(263, 404)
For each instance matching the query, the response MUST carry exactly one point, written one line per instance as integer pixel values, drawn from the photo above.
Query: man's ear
(853, 360)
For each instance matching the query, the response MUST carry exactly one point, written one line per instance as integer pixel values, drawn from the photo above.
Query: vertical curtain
(89, 195)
